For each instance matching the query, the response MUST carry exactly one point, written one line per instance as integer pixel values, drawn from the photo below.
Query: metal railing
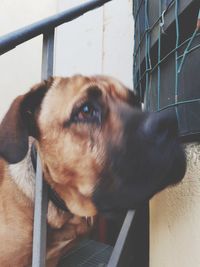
(11, 40)
(46, 27)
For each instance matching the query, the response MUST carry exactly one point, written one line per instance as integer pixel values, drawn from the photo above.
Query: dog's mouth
(90, 220)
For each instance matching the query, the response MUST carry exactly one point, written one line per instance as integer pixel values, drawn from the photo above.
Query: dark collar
(53, 196)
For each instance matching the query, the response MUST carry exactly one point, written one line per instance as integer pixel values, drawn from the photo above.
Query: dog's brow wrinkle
(94, 91)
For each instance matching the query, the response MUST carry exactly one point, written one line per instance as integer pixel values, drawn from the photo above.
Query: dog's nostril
(161, 124)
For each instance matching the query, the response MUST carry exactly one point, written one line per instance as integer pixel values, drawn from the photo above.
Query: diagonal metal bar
(41, 198)
(11, 40)
(118, 250)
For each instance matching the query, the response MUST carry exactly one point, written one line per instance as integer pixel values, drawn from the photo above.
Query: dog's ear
(20, 122)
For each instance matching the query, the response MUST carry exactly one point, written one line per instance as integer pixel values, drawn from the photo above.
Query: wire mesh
(167, 59)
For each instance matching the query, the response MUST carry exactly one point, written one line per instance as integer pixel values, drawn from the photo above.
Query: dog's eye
(88, 113)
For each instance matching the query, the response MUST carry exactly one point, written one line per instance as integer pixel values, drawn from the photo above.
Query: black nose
(161, 124)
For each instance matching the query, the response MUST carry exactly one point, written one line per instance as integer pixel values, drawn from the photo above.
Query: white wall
(21, 67)
(99, 42)
(79, 43)
(118, 40)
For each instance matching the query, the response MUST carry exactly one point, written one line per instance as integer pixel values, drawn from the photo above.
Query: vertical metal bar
(48, 54)
(147, 55)
(39, 229)
(139, 50)
(159, 59)
(41, 198)
(176, 60)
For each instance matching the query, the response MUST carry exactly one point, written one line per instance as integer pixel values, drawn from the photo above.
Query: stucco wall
(175, 219)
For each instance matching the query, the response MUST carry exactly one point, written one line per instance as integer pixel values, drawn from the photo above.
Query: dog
(99, 153)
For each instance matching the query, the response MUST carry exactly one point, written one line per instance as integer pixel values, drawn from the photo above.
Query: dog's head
(99, 151)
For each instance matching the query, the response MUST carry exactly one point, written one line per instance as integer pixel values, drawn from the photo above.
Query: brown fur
(72, 159)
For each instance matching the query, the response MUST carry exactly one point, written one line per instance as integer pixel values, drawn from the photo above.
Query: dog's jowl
(99, 153)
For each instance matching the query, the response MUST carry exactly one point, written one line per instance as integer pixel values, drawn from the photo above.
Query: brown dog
(98, 152)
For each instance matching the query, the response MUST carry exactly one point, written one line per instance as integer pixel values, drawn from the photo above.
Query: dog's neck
(53, 196)
(23, 174)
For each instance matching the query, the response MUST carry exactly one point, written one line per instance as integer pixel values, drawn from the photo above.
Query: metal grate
(166, 59)
(88, 253)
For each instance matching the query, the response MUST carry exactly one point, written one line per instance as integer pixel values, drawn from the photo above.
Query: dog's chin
(113, 214)
(114, 203)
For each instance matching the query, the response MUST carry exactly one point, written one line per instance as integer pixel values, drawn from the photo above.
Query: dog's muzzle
(147, 159)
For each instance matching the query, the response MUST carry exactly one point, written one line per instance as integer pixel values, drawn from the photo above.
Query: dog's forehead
(64, 92)
(78, 85)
